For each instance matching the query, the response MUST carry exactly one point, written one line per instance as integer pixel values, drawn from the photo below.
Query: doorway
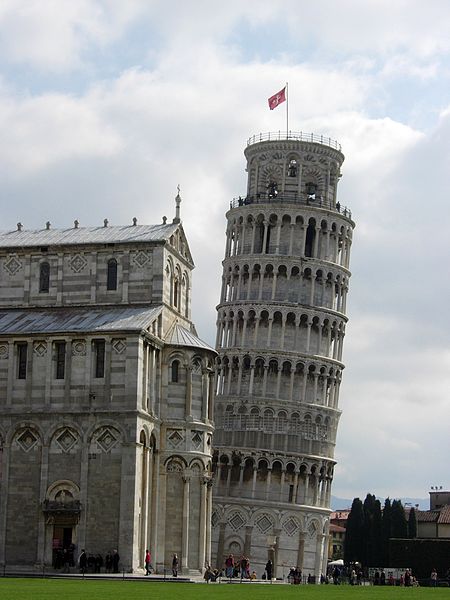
(63, 546)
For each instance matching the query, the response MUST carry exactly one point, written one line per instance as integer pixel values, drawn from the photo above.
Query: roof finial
(48, 225)
(177, 206)
(19, 226)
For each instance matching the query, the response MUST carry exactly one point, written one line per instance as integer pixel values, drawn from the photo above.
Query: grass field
(55, 589)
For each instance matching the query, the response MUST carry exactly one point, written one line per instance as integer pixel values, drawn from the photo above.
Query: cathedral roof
(87, 235)
(66, 320)
(180, 336)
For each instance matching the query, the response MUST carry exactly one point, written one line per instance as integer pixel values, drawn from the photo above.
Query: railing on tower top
(313, 200)
(300, 136)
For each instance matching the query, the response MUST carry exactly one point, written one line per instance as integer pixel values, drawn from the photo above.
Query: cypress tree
(372, 544)
(386, 529)
(367, 557)
(353, 546)
(377, 536)
(412, 524)
(399, 524)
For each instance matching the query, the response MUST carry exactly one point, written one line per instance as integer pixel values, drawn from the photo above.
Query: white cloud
(43, 131)
(54, 34)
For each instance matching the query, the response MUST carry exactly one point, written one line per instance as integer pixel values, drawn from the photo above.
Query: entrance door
(62, 541)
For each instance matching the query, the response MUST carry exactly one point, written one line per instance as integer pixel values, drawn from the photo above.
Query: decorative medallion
(40, 348)
(214, 519)
(141, 258)
(196, 367)
(79, 348)
(236, 521)
(66, 440)
(12, 265)
(119, 345)
(77, 263)
(107, 440)
(27, 440)
(291, 526)
(312, 529)
(174, 437)
(4, 351)
(264, 523)
(197, 439)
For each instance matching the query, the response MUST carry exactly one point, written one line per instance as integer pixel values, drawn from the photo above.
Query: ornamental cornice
(284, 307)
(298, 146)
(271, 206)
(295, 261)
(271, 354)
(291, 406)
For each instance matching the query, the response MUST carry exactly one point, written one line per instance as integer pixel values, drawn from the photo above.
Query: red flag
(277, 99)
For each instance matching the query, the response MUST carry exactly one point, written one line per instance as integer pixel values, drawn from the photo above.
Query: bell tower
(280, 330)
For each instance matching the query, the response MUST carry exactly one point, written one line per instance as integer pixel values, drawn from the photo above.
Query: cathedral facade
(106, 397)
(280, 331)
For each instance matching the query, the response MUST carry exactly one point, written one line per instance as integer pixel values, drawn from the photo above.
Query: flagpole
(287, 111)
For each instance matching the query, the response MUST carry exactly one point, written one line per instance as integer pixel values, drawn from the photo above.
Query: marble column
(185, 526)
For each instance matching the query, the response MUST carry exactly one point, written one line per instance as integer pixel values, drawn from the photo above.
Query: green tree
(353, 546)
(372, 545)
(386, 530)
(412, 524)
(399, 524)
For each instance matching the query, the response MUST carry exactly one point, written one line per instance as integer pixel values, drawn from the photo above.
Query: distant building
(106, 397)
(336, 541)
(435, 523)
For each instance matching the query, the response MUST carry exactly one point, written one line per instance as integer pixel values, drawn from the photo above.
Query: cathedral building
(106, 397)
(280, 330)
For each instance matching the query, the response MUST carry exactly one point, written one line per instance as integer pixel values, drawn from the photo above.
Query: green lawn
(54, 589)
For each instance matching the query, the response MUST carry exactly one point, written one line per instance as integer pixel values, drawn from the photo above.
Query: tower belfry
(280, 331)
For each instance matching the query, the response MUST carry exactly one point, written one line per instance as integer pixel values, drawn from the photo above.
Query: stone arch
(66, 438)
(143, 438)
(105, 438)
(106, 423)
(264, 520)
(197, 466)
(18, 435)
(233, 545)
(51, 431)
(62, 485)
(313, 527)
(175, 464)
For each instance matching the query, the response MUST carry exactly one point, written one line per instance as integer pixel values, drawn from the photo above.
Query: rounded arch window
(175, 371)
(292, 168)
(44, 278)
(111, 277)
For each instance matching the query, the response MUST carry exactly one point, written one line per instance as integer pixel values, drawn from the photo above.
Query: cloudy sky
(106, 106)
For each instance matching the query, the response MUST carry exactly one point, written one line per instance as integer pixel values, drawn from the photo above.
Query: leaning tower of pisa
(280, 331)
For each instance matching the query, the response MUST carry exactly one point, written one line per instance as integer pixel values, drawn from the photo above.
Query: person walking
(82, 562)
(148, 562)
(269, 570)
(229, 566)
(175, 563)
(115, 561)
